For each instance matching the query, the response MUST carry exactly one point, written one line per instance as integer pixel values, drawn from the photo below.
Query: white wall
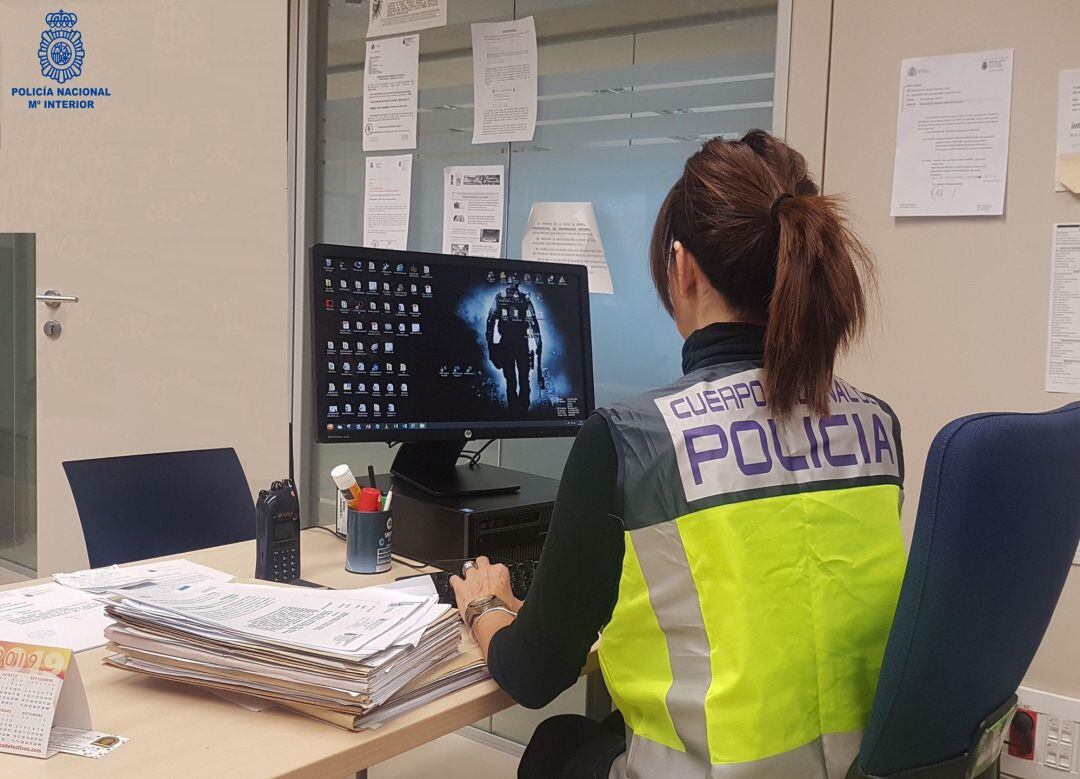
(964, 300)
(164, 209)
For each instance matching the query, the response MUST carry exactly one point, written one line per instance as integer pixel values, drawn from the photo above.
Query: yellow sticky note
(1068, 171)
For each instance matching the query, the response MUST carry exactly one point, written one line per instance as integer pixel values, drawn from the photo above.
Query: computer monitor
(435, 350)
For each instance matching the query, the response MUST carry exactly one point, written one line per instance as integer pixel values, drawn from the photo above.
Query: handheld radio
(277, 533)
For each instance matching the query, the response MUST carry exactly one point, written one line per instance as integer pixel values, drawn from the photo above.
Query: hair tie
(774, 211)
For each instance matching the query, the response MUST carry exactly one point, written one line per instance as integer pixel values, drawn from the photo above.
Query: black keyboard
(521, 577)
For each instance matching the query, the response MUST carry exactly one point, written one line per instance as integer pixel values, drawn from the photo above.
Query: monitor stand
(432, 466)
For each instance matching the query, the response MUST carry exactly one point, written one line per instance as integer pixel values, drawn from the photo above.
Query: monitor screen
(411, 346)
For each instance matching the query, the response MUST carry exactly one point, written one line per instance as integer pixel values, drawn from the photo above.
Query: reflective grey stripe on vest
(674, 599)
(647, 759)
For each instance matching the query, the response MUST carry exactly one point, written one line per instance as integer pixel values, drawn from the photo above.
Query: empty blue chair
(150, 505)
(998, 523)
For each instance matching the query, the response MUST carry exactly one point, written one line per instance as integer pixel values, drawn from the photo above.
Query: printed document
(1068, 135)
(473, 210)
(342, 621)
(165, 575)
(1063, 340)
(387, 195)
(567, 233)
(952, 135)
(504, 81)
(52, 614)
(387, 17)
(391, 79)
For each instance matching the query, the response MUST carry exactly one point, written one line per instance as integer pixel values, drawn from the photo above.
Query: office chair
(150, 505)
(998, 523)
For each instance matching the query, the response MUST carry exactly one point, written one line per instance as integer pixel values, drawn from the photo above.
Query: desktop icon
(331, 388)
(329, 304)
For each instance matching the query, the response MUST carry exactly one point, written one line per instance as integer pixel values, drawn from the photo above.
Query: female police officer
(734, 535)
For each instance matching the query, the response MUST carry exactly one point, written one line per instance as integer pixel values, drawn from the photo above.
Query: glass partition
(18, 498)
(627, 91)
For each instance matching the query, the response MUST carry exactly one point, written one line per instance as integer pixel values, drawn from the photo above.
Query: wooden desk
(180, 730)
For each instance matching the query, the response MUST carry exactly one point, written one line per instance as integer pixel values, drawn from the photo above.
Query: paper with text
(1067, 171)
(387, 197)
(85, 743)
(389, 17)
(504, 81)
(391, 81)
(39, 686)
(473, 210)
(1063, 332)
(52, 614)
(952, 135)
(567, 233)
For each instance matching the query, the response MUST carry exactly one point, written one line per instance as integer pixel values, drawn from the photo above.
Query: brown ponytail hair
(779, 253)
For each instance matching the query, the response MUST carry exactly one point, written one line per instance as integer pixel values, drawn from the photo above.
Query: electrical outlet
(1056, 730)
(1022, 734)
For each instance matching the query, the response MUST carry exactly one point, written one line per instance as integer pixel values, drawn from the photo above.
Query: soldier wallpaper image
(408, 345)
(523, 326)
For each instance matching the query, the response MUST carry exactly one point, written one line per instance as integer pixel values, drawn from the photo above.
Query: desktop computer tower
(506, 528)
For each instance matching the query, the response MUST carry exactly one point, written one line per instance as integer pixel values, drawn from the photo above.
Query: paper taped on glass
(568, 233)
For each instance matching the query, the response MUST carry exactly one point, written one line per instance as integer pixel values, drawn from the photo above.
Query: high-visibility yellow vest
(762, 567)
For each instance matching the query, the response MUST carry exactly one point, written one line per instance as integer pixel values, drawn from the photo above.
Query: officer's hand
(484, 579)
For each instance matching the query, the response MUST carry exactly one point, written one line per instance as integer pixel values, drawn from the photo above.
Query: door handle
(53, 299)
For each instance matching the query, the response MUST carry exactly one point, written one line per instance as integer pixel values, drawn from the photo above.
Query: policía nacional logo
(61, 50)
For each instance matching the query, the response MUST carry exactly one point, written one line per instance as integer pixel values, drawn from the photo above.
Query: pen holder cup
(368, 546)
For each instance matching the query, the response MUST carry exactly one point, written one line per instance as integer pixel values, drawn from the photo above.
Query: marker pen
(346, 483)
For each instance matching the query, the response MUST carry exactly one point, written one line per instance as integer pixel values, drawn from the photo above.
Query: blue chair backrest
(150, 505)
(998, 524)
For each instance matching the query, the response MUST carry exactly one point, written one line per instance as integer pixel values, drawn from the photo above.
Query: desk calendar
(40, 687)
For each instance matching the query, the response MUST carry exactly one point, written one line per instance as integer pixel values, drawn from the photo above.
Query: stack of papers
(350, 657)
(69, 611)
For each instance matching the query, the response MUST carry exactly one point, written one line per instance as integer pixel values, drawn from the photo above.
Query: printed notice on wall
(1063, 347)
(504, 81)
(391, 73)
(389, 17)
(567, 233)
(387, 195)
(473, 210)
(1067, 173)
(952, 135)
